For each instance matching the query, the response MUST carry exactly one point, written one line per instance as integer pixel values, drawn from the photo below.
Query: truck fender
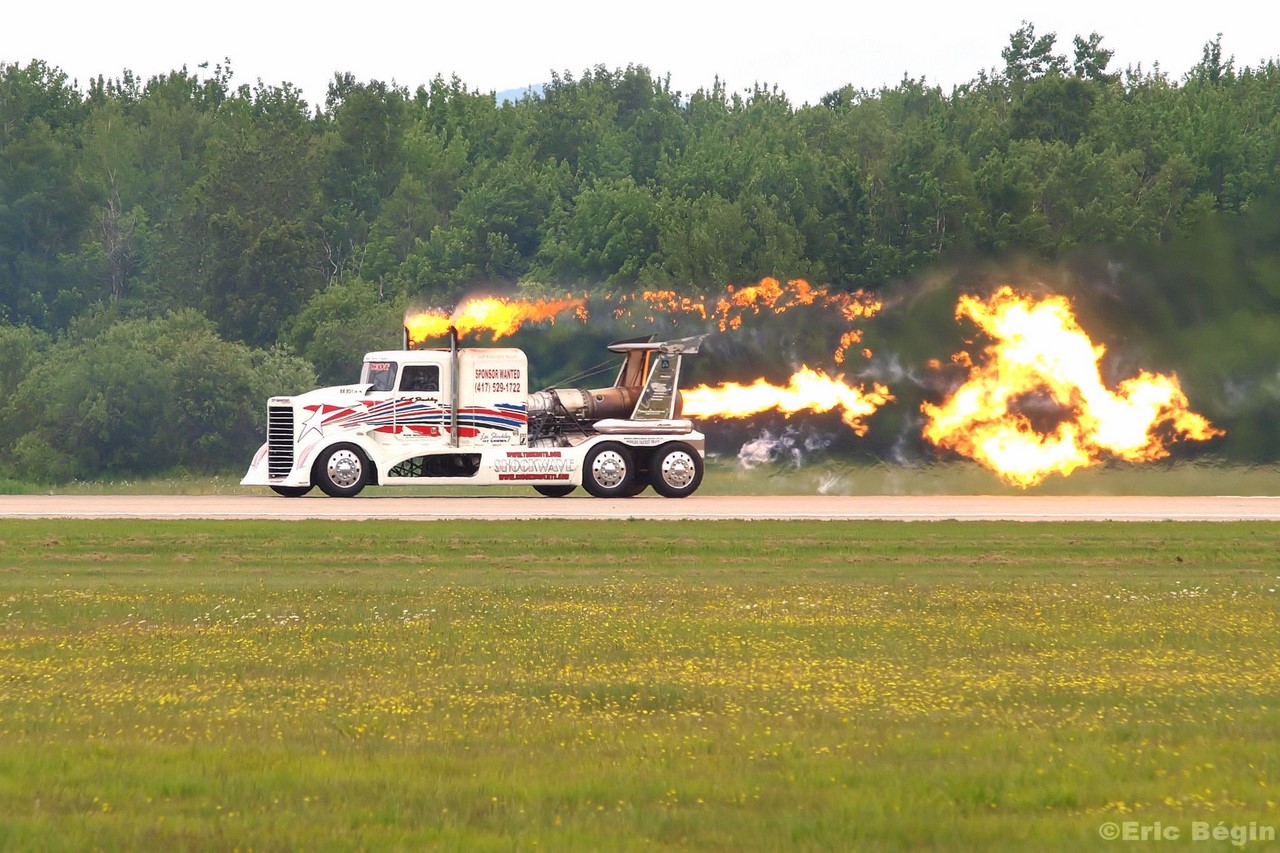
(307, 458)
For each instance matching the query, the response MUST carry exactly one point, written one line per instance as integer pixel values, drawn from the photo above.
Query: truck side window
(420, 377)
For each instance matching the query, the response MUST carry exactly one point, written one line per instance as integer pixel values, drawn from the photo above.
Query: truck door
(421, 412)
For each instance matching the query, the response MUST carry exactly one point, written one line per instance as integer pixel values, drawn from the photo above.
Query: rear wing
(659, 363)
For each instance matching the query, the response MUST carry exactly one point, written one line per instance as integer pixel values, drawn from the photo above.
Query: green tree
(1213, 69)
(362, 161)
(462, 116)
(838, 238)
(1091, 59)
(341, 323)
(1054, 107)
(45, 207)
(608, 236)
(140, 397)
(246, 249)
(1029, 57)
(21, 349)
(425, 198)
(704, 242)
(498, 225)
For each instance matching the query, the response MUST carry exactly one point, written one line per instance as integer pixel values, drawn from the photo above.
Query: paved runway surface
(893, 507)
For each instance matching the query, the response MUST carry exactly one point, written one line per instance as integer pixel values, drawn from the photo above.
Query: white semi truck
(464, 416)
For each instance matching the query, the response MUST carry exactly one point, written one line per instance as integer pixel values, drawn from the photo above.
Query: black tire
(676, 470)
(608, 471)
(640, 474)
(638, 485)
(291, 491)
(554, 491)
(341, 471)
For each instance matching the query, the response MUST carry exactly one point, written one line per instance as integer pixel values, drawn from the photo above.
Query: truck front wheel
(608, 471)
(676, 470)
(341, 471)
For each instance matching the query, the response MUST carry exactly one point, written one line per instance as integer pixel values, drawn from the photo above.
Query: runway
(711, 507)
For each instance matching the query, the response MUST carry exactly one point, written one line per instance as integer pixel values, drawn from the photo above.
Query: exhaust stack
(456, 374)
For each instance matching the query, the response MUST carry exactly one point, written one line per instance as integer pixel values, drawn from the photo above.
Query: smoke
(794, 445)
(1241, 395)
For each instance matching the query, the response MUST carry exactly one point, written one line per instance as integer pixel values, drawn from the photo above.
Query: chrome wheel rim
(678, 470)
(344, 468)
(609, 469)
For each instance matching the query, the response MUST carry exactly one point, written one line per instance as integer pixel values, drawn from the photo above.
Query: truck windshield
(380, 374)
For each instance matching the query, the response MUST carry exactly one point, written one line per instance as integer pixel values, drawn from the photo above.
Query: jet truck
(464, 416)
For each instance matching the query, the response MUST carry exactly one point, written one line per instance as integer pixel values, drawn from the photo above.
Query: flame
(492, 314)
(848, 339)
(673, 303)
(777, 298)
(807, 390)
(1041, 353)
(727, 310)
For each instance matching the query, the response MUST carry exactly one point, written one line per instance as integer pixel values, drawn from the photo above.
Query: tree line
(173, 250)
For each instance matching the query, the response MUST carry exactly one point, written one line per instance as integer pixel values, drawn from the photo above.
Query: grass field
(376, 685)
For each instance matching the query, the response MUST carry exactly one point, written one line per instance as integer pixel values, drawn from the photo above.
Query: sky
(804, 48)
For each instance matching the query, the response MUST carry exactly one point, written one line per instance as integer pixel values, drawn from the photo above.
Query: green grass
(14, 487)
(374, 685)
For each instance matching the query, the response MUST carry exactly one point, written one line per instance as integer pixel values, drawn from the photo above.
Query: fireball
(1040, 367)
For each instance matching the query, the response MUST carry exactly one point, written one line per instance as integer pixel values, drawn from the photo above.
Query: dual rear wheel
(611, 470)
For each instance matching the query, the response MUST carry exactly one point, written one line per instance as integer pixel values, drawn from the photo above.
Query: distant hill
(507, 95)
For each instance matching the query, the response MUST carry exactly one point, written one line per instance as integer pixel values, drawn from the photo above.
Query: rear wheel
(341, 471)
(291, 491)
(554, 491)
(676, 470)
(608, 471)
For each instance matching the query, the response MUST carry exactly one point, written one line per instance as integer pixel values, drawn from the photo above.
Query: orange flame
(1041, 351)
(808, 389)
(492, 314)
(728, 309)
(673, 303)
(777, 298)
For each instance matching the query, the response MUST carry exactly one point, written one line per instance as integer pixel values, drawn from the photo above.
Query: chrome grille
(279, 441)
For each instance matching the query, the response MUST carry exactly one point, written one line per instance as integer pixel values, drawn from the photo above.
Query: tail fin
(660, 362)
